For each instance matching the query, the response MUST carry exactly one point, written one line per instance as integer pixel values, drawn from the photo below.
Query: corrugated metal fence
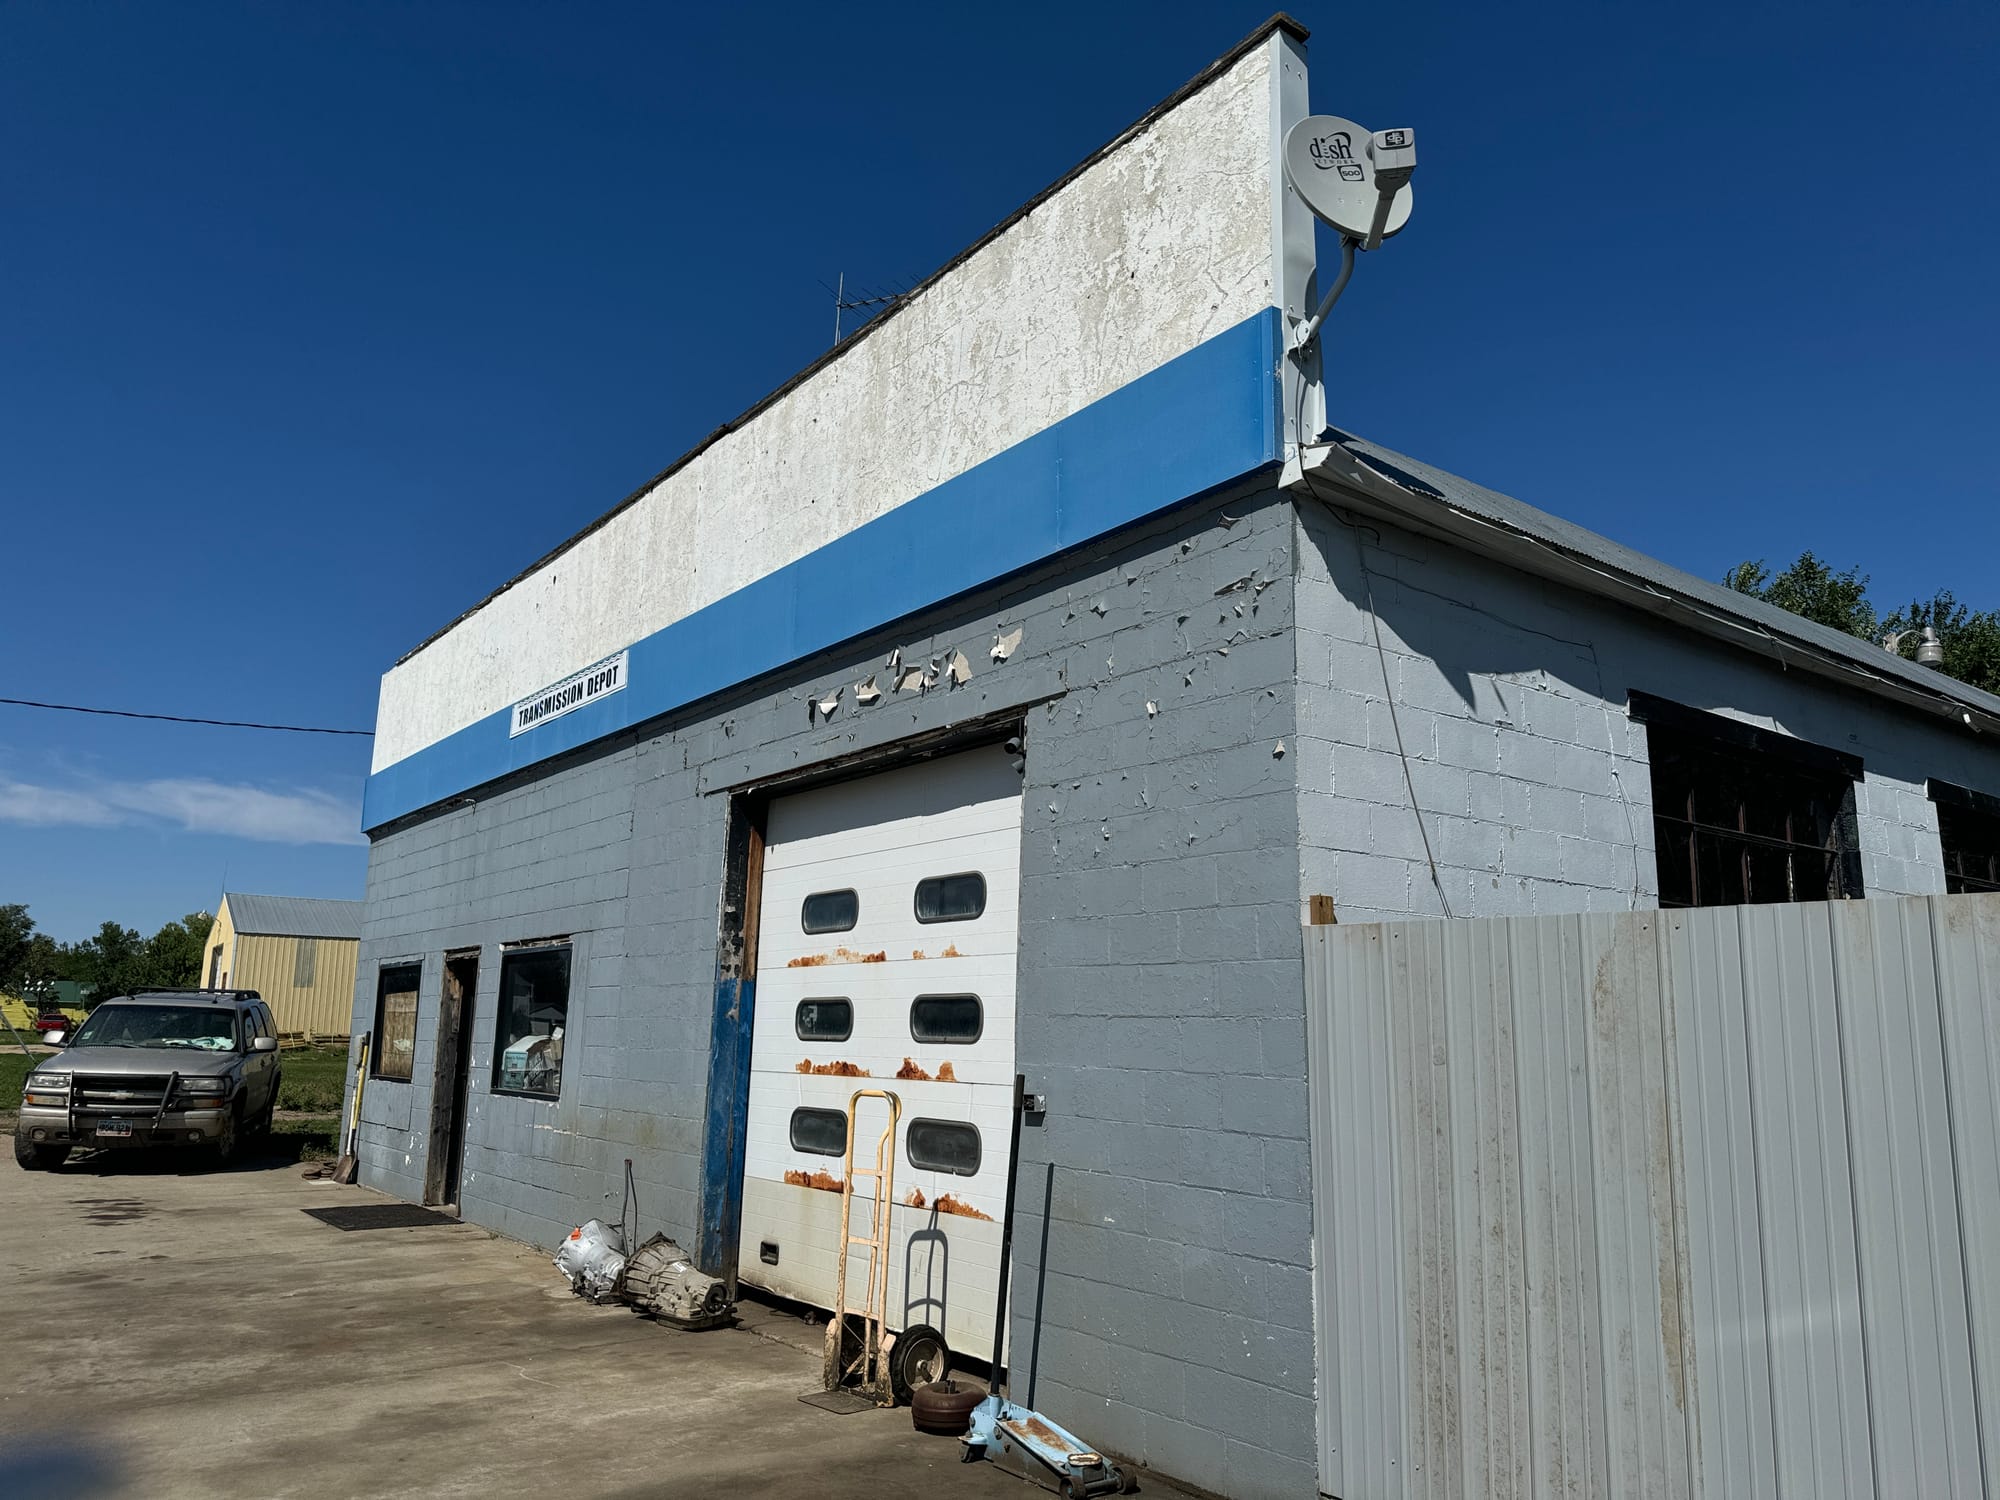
(1660, 1204)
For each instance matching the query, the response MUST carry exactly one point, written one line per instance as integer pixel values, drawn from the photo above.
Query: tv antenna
(1355, 181)
(842, 303)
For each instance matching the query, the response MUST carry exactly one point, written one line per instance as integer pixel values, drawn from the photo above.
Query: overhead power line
(125, 713)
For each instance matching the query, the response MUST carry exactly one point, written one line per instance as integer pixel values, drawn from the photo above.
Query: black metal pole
(1041, 1284)
(1007, 1235)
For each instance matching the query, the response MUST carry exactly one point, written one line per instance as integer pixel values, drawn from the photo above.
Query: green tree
(17, 935)
(1971, 639)
(1810, 588)
(174, 953)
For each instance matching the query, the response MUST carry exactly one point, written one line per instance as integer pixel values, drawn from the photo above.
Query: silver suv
(156, 1068)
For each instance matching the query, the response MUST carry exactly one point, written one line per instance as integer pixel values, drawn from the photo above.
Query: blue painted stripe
(1207, 417)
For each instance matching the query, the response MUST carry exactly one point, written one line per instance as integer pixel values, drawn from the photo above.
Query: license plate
(114, 1127)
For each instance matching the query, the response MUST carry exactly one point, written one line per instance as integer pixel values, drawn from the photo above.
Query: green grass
(315, 1078)
(315, 1140)
(14, 1070)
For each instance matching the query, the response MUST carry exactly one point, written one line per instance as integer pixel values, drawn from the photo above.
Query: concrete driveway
(169, 1330)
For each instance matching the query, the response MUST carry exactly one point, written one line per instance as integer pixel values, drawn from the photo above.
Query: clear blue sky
(321, 320)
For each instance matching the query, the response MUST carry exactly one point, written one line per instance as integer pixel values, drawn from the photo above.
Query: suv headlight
(204, 1086)
(49, 1083)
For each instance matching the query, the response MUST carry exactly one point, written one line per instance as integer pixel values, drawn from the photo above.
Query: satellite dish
(1331, 163)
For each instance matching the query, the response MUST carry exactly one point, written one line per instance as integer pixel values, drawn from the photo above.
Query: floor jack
(1000, 1425)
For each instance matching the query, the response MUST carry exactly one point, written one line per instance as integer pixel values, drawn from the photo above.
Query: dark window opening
(955, 1019)
(944, 1146)
(830, 911)
(820, 1131)
(395, 1049)
(533, 1019)
(824, 1020)
(1742, 816)
(1969, 831)
(951, 898)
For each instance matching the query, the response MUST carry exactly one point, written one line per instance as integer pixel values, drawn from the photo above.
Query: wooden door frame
(449, 1059)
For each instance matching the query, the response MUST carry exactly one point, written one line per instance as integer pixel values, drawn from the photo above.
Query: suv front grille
(117, 1093)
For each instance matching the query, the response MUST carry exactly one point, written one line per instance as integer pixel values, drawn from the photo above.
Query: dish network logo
(1335, 153)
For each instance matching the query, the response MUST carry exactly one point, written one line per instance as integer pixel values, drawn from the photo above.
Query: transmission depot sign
(593, 682)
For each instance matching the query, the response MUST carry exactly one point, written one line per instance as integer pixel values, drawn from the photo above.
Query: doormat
(378, 1216)
(841, 1403)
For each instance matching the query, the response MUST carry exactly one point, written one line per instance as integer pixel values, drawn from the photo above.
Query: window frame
(1958, 806)
(1822, 775)
(810, 896)
(792, 1130)
(376, 1051)
(910, 1152)
(798, 1026)
(933, 1041)
(917, 894)
(508, 957)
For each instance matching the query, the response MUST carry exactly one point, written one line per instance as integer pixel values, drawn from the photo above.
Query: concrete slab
(170, 1330)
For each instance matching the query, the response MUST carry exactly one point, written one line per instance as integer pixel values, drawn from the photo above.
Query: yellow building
(295, 951)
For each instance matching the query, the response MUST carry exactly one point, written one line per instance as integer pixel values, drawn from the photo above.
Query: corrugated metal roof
(294, 916)
(1565, 536)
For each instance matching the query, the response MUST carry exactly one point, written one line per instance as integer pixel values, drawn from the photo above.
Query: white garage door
(886, 955)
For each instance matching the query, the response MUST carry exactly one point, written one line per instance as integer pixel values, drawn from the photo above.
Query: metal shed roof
(1418, 492)
(294, 916)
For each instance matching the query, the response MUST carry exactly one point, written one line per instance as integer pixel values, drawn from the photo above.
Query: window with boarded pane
(533, 1019)
(951, 898)
(1969, 833)
(1743, 816)
(395, 1046)
(944, 1146)
(820, 1131)
(830, 911)
(305, 963)
(825, 1020)
(954, 1019)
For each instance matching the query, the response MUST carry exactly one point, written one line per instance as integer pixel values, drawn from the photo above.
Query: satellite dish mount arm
(1306, 332)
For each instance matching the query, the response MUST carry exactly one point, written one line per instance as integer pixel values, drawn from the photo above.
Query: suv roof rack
(193, 992)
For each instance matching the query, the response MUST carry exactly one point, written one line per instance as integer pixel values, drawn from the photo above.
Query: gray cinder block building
(1003, 695)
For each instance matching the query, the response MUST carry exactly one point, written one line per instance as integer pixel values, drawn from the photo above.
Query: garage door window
(951, 898)
(534, 1015)
(954, 1019)
(396, 1021)
(825, 1020)
(820, 1131)
(944, 1146)
(830, 911)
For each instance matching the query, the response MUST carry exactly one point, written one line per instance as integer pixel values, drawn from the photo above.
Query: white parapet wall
(1173, 235)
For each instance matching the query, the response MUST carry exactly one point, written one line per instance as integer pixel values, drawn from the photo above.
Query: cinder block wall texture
(1160, 990)
(1511, 698)
(1207, 742)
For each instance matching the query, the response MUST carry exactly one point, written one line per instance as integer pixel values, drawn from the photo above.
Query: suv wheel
(230, 1139)
(34, 1158)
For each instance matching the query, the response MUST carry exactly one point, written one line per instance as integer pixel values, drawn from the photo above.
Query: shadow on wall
(1490, 637)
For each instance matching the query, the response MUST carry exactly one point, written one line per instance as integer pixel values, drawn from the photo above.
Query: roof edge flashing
(1321, 466)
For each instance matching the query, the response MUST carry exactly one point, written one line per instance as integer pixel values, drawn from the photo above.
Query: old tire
(30, 1157)
(920, 1357)
(944, 1407)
